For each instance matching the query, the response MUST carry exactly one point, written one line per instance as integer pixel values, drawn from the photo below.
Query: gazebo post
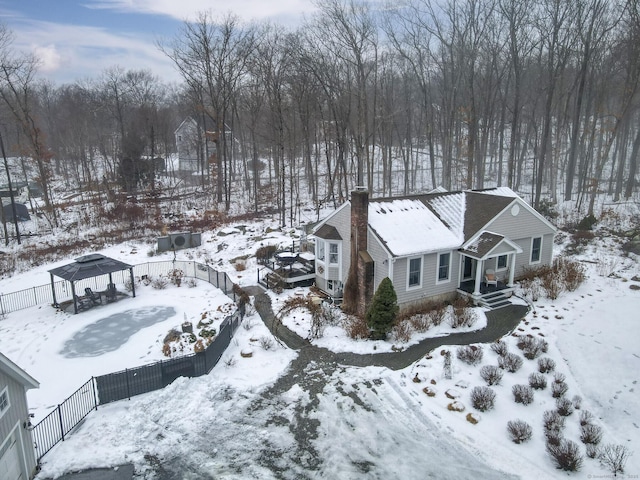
(75, 301)
(53, 291)
(133, 284)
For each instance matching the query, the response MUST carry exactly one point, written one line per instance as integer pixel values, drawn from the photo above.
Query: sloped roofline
(329, 217)
(189, 118)
(18, 374)
(504, 239)
(521, 202)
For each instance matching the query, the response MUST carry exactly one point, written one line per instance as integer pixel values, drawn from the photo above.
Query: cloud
(71, 52)
(188, 9)
(50, 58)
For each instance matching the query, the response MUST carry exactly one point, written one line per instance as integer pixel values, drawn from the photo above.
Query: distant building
(189, 144)
(17, 455)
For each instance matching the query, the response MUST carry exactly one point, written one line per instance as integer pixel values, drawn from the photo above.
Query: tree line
(540, 96)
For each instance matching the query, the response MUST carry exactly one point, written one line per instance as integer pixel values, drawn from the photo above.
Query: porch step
(494, 300)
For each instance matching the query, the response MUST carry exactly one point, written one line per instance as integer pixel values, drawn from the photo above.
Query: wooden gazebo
(88, 266)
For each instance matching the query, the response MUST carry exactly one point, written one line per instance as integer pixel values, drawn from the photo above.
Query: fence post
(126, 375)
(35, 295)
(61, 424)
(217, 279)
(95, 393)
(225, 283)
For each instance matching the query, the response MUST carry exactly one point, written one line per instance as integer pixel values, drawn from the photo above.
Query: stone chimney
(358, 289)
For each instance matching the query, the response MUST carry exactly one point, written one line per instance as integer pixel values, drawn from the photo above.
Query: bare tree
(17, 82)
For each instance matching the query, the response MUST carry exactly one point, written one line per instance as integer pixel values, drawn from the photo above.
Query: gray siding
(521, 229)
(18, 412)
(524, 225)
(523, 260)
(341, 220)
(430, 288)
(379, 255)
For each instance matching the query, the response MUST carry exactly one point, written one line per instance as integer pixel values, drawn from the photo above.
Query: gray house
(432, 246)
(17, 455)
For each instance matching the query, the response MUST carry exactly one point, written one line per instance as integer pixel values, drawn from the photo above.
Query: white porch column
(512, 270)
(479, 270)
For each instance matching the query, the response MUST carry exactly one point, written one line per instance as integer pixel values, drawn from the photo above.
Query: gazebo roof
(88, 266)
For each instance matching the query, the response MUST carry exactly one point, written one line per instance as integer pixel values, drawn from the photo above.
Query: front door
(467, 269)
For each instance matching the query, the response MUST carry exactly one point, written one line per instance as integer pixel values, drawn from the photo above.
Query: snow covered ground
(287, 414)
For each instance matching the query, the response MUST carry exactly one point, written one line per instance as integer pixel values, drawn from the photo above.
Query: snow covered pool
(110, 333)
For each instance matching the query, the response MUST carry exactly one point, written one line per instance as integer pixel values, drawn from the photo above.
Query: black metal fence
(58, 424)
(42, 294)
(127, 383)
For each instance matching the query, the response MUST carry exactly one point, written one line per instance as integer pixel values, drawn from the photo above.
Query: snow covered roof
(89, 266)
(435, 221)
(17, 373)
(407, 226)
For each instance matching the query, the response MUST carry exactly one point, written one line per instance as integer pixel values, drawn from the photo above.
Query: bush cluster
(522, 394)
(532, 347)
(537, 381)
(546, 365)
(563, 275)
(483, 398)
(564, 406)
(510, 362)
(566, 455)
(500, 347)
(559, 386)
(491, 374)
(519, 431)
(463, 315)
(470, 354)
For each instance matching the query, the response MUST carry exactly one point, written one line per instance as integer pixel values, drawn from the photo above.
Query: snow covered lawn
(250, 416)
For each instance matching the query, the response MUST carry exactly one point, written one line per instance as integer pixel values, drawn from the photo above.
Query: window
(536, 249)
(4, 401)
(502, 262)
(444, 260)
(415, 270)
(320, 254)
(333, 253)
(330, 285)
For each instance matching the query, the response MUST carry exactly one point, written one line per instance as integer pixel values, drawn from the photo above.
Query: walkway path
(500, 322)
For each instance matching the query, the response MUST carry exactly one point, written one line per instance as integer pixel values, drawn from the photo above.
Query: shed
(88, 266)
(17, 455)
(22, 212)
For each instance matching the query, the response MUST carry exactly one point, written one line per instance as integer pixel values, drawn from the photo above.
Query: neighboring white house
(17, 455)
(431, 246)
(189, 143)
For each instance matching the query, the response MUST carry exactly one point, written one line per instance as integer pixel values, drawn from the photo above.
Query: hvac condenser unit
(179, 241)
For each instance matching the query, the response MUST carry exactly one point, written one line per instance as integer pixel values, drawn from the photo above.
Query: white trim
(18, 374)
(5, 393)
(338, 253)
(448, 279)
(419, 285)
(531, 261)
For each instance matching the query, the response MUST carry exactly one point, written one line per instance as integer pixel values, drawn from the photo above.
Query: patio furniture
(83, 303)
(95, 298)
(111, 293)
(490, 278)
